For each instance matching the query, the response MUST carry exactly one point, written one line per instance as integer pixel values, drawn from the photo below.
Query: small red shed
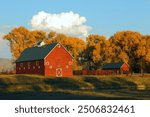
(49, 60)
(120, 67)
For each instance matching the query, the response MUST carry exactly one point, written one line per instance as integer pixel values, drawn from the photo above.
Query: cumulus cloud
(69, 23)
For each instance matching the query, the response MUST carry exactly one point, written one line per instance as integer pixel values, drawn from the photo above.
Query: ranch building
(48, 60)
(119, 67)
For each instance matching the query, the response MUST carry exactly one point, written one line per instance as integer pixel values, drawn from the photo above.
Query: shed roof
(35, 53)
(115, 65)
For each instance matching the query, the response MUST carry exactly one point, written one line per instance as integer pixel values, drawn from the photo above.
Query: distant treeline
(127, 46)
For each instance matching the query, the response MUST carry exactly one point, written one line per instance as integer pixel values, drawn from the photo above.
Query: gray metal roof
(113, 65)
(36, 53)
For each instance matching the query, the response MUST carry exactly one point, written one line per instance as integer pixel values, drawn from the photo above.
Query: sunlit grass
(111, 86)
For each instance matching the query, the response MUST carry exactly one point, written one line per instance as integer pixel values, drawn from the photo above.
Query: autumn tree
(21, 38)
(38, 35)
(127, 46)
(146, 57)
(52, 34)
(130, 47)
(96, 51)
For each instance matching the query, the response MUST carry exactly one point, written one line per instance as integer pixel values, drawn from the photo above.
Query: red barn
(48, 60)
(120, 67)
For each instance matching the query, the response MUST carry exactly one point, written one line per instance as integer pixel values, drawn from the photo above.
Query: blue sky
(105, 17)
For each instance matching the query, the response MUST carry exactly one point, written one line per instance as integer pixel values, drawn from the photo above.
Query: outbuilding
(49, 60)
(119, 67)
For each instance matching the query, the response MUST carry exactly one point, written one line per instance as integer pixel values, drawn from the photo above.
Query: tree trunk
(142, 66)
(130, 70)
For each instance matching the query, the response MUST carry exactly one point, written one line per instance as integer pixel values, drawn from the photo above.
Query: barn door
(59, 72)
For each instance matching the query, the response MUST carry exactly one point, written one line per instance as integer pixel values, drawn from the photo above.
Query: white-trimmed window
(59, 46)
(39, 67)
(67, 66)
(37, 63)
(29, 64)
(70, 62)
(47, 63)
(21, 64)
(50, 67)
(33, 67)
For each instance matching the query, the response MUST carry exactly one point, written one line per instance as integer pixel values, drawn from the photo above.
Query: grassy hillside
(76, 87)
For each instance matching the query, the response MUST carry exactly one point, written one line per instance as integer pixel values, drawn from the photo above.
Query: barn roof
(36, 53)
(113, 65)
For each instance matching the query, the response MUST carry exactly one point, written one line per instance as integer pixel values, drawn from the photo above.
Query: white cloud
(69, 23)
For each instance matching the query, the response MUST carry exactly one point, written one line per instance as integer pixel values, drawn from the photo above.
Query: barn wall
(32, 67)
(58, 58)
(125, 68)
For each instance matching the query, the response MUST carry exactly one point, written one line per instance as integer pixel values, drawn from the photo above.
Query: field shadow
(22, 83)
(19, 79)
(63, 83)
(112, 84)
(28, 88)
(53, 96)
(26, 83)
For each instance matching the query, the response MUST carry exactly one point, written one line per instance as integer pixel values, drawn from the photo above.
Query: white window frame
(50, 66)
(67, 66)
(47, 63)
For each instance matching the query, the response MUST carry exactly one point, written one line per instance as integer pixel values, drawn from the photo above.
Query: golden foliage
(21, 38)
(128, 46)
(124, 45)
(97, 47)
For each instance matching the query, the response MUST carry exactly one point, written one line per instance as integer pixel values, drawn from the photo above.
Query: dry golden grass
(111, 86)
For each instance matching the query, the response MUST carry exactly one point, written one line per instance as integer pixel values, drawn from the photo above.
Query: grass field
(77, 87)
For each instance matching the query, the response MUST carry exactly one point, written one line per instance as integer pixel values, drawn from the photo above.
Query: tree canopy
(130, 47)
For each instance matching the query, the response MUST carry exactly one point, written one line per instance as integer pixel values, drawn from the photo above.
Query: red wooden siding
(99, 72)
(58, 62)
(125, 67)
(32, 67)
